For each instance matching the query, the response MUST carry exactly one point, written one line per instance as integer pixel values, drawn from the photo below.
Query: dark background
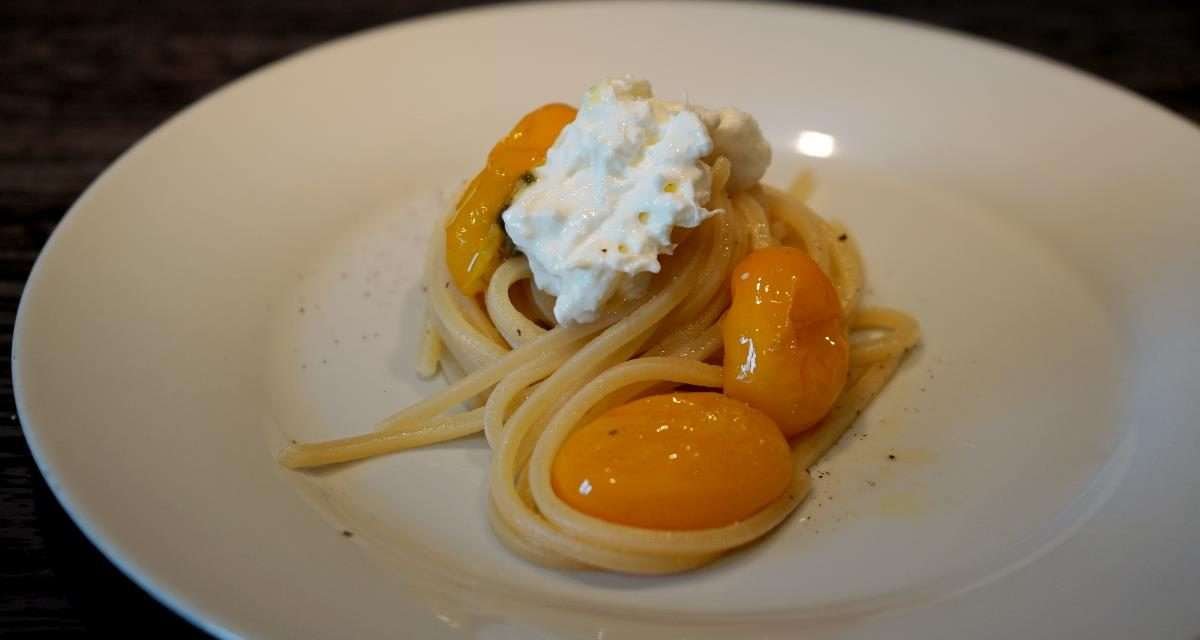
(82, 81)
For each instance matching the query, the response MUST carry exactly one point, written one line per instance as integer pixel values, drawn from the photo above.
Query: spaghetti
(528, 383)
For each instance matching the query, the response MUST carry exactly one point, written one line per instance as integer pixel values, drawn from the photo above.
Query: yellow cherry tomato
(680, 461)
(786, 349)
(474, 237)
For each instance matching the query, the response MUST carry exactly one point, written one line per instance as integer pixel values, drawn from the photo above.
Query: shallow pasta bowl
(247, 276)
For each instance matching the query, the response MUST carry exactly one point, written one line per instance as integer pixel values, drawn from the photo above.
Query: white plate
(246, 275)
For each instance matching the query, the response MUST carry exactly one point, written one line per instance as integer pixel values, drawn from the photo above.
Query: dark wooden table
(82, 81)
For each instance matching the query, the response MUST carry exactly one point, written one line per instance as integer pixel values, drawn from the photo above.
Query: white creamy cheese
(735, 135)
(615, 183)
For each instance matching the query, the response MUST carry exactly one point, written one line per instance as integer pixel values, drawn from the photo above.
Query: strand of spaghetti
(696, 339)
(847, 268)
(544, 303)
(760, 227)
(709, 302)
(413, 418)
(711, 281)
(806, 224)
(782, 232)
(526, 549)
(589, 360)
(528, 420)
(506, 392)
(699, 348)
(472, 348)
(452, 371)
(459, 312)
(635, 539)
(740, 237)
(578, 553)
(402, 434)
(712, 278)
(812, 444)
(514, 326)
(802, 186)
(568, 549)
(303, 456)
(719, 198)
(430, 353)
(431, 340)
(520, 384)
(902, 333)
(699, 323)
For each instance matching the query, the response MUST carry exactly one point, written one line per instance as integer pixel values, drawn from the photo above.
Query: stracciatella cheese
(615, 184)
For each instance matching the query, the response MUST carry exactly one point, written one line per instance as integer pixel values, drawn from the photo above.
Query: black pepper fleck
(347, 533)
(891, 456)
(518, 332)
(612, 432)
(842, 238)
